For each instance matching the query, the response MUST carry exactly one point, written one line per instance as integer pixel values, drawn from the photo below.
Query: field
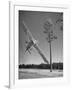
(39, 73)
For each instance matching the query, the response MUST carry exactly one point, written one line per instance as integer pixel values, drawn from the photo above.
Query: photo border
(13, 15)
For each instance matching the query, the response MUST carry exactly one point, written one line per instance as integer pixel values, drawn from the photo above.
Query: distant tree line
(56, 66)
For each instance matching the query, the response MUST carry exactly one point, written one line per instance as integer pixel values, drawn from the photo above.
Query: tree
(60, 21)
(48, 26)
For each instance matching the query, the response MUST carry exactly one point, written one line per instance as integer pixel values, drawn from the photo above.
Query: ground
(39, 73)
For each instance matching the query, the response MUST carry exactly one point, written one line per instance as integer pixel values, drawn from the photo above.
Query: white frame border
(13, 51)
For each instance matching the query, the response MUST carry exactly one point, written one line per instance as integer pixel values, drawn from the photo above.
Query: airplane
(32, 43)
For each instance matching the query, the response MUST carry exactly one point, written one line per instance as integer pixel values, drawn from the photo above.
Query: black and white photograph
(40, 44)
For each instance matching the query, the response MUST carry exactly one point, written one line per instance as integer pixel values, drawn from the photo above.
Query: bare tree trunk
(50, 58)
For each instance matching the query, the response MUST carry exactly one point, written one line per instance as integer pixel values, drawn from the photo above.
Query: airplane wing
(41, 54)
(27, 32)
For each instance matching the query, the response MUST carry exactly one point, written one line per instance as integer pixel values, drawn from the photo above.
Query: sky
(35, 21)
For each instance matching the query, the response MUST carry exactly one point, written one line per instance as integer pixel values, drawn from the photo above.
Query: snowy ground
(38, 73)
